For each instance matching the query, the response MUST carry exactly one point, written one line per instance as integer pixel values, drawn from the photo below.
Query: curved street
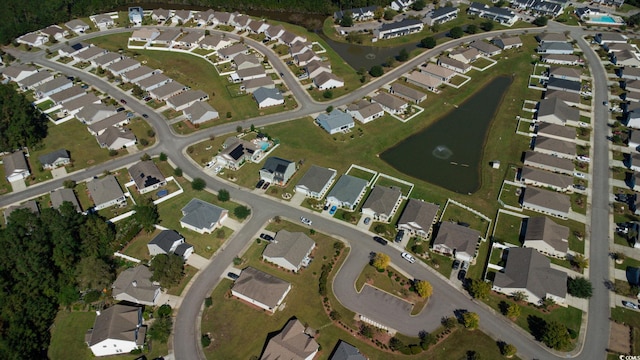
(446, 298)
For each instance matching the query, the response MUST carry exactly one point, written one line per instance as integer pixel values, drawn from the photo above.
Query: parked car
(579, 175)
(233, 276)
(465, 266)
(380, 240)
(148, 98)
(367, 220)
(629, 304)
(266, 185)
(456, 264)
(259, 184)
(123, 101)
(583, 158)
(408, 257)
(145, 116)
(326, 207)
(266, 237)
(579, 187)
(333, 210)
(622, 198)
(399, 236)
(462, 274)
(305, 221)
(120, 109)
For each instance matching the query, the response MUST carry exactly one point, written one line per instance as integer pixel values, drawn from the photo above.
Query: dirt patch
(620, 338)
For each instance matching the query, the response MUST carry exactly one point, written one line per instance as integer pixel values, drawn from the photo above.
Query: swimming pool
(603, 19)
(263, 145)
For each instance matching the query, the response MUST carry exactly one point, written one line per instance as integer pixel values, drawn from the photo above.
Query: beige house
(547, 237)
(292, 343)
(260, 289)
(456, 240)
(289, 250)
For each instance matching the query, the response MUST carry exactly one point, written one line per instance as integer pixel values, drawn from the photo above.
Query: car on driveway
(266, 185)
(305, 221)
(259, 184)
(380, 240)
(456, 264)
(233, 276)
(399, 236)
(465, 266)
(408, 257)
(461, 275)
(629, 304)
(333, 210)
(583, 158)
(266, 237)
(579, 175)
(367, 220)
(579, 187)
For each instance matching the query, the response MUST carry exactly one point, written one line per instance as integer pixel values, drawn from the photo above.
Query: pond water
(449, 152)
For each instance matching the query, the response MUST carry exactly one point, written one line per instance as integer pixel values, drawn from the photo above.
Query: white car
(408, 257)
(583, 158)
(305, 220)
(579, 175)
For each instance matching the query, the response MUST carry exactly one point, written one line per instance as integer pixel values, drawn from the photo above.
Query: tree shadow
(537, 326)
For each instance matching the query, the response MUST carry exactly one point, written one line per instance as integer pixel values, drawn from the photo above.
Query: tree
(21, 124)
(381, 261)
(418, 5)
(378, 13)
(520, 296)
(161, 329)
(163, 156)
(429, 42)
(376, 71)
(198, 184)
(327, 94)
(94, 273)
(147, 214)
(423, 288)
(403, 55)
(347, 19)
(389, 14)
(513, 311)
(167, 269)
(449, 322)
(472, 29)
(508, 350)
(541, 21)
(242, 212)
(456, 32)
(579, 287)
(137, 91)
(479, 289)
(487, 25)
(239, 129)
(555, 335)
(580, 262)
(471, 320)
(165, 310)
(547, 302)
(223, 195)
(69, 184)
(177, 172)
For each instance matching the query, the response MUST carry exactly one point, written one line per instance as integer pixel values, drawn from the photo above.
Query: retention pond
(448, 153)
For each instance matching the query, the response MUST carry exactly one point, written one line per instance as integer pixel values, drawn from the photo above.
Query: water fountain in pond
(442, 152)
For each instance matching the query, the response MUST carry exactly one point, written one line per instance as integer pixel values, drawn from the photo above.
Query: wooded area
(21, 16)
(47, 261)
(20, 123)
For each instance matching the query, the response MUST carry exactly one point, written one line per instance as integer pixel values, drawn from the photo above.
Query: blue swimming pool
(603, 19)
(264, 145)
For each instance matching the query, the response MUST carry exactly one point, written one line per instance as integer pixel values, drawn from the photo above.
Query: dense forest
(20, 123)
(21, 16)
(47, 261)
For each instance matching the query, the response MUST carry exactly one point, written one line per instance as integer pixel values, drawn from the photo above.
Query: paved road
(186, 338)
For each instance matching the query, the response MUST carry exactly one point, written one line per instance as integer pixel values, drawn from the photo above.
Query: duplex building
(547, 202)
(546, 237)
(440, 15)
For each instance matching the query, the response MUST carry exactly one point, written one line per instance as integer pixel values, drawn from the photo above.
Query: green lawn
(392, 282)
(189, 273)
(507, 229)
(456, 213)
(67, 338)
(385, 181)
(510, 195)
(361, 174)
(570, 317)
(137, 247)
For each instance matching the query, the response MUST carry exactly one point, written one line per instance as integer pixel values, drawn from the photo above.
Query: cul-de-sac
(320, 179)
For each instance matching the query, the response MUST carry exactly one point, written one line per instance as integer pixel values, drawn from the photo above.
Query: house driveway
(232, 224)
(18, 186)
(172, 300)
(197, 261)
(59, 172)
(297, 198)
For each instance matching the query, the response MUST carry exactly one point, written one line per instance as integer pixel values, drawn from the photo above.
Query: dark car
(622, 198)
(399, 236)
(233, 276)
(148, 98)
(579, 187)
(123, 101)
(120, 109)
(259, 184)
(266, 185)
(145, 116)
(326, 207)
(266, 237)
(462, 274)
(380, 240)
(456, 264)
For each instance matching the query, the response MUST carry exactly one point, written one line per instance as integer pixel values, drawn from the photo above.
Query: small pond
(449, 152)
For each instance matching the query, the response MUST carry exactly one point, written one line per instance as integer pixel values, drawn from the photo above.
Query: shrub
(144, 142)
(163, 156)
(198, 184)
(151, 133)
(223, 195)
(164, 310)
(242, 212)
(113, 152)
(205, 341)
(376, 71)
(177, 172)
(208, 301)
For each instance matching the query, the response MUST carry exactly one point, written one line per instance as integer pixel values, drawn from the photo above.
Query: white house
(106, 192)
(292, 342)
(441, 15)
(266, 97)
(382, 203)
(326, 80)
(15, 166)
(456, 240)
(200, 112)
(347, 192)
(289, 250)
(547, 237)
(147, 176)
(418, 218)
(336, 121)
(116, 330)
(277, 171)
(77, 26)
(260, 289)
(135, 285)
(396, 29)
(169, 242)
(365, 111)
(316, 182)
(202, 217)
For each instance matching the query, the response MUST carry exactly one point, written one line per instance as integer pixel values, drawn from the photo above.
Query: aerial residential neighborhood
(320, 180)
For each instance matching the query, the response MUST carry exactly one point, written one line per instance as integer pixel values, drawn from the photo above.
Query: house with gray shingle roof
(485, 48)
(147, 176)
(186, 98)
(418, 218)
(232, 51)
(69, 94)
(456, 240)
(123, 66)
(18, 72)
(530, 272)
(116, 330)
(58, 197)
(35, 80)
(15, 166)
(365, 111)
(115, 138)
(555, 147)
(316, 182)
(169, 242)
(382, 203)
(549, 162)
(391, 104)
(134, 285)
(202, 217)
(94, 113)
(554, 131)
(347, 192)
(74, 106)
(167, 90)
(546, 236)
(335, 122)
(77, 26)
(292, 343)
(547, 202)
(289, 250)
(56, 85)
(236, 152)
(30, 205)
(277, 171)
(200, 112)
(506, 42)
(250, 86)
(266, 97)
(260, 289)
(346, 351)
(54, 159)
(407, 93)
(106, 192)
(546, 179)
(453, 64)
